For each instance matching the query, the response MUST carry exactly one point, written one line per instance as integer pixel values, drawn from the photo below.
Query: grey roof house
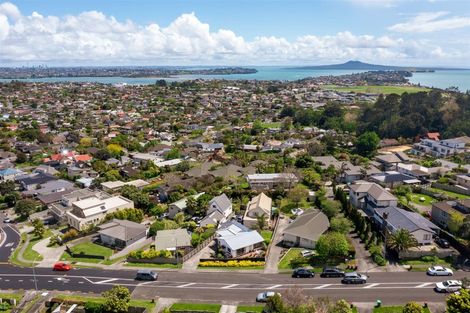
(121, 233)
(172, 238)
(305, 230)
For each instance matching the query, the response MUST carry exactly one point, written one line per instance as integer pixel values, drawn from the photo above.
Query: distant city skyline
(230, 33)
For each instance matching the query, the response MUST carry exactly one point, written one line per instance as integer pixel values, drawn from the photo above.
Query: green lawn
(152, 265)
(233, 268)
(393, 309)
(12, 295)
(271, 125)
(195, 307)
(29, 254)
(422, 266)
(134, 302)
(376, 89)
(267, 235)
(415, 198)
(449, 193)
(250, 308)
(293, 253)
(87, 248)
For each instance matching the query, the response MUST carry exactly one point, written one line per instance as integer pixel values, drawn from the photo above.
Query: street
(393, 288)
(9, 239)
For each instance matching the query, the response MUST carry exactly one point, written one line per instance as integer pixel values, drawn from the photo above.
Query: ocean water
(440, 78)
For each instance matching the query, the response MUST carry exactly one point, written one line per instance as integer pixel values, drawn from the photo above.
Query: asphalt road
(9, 239)
(391, 288)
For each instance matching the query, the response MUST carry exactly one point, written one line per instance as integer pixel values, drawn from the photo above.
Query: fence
(456, 189)
(157, 260)
(201, 246)
(234, 259)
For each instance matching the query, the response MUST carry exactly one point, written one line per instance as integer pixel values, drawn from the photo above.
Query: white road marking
(147, 282)
(81, 282)
(424, 285)
(322, 286)
(371, 286)
(14, 230)
(20, 280)
(7, 280)
(9, 244)
(49, 281)
(230, 286)
(4, 237)
(186, 285)
(106, 281)
(274, 287)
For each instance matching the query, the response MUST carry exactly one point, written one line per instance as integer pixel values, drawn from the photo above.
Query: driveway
(50, 254)
(275, 249)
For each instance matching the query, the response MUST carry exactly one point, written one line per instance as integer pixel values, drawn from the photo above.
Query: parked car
(332, 272)
(449, 286)
(303, 273)
(306, 253)
(441, 242)
(62, 266)
(264, 296)
(439, 271)
(7, 220)
(146, 275)
(354, 278)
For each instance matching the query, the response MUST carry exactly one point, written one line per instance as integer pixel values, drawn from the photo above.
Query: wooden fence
(201, 246)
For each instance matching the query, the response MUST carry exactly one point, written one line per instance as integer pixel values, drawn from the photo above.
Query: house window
(427, 236)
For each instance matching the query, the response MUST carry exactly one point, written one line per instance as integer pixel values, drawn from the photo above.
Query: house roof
(222, 202)
(309, 225)
(261, 201)
(237, 236)
(374, 190)
(388, 158)
(171, 238)
(122, 229)
(401, 219)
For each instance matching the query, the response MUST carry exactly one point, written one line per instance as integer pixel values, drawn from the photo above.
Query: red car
(62, 266)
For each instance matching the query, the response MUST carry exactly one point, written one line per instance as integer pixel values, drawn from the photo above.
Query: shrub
(413, 307)
(54, 240)
(93, 307)
(150, 254)
(4, 306)
(231, 263)
(72, 233)
(379, 259)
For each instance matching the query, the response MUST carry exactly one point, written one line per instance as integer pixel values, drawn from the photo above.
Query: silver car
(439, 271)
(449, 286)
(264, 296)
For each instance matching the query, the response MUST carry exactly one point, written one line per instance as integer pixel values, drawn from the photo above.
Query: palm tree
(402, 240)
(199, 231)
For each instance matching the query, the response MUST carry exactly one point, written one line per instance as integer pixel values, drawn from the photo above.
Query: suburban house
(392, 219)
(115, 186)
(179, 206)
(348, 172)
(305, 230)
(49, 187)
(59, 208)
(261, 205)
(271, 181)
(390, 161)
(32, 181)
(392, 179)
(121, 233)
(171, 239)
(368, 196)
(218, 211)
(92, 210)
(442, 211)
(439, 148)
(235, 239)
(463, 180)
(10, 174)
(420, 172)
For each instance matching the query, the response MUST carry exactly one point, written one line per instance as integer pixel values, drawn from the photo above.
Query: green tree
(413, 307)
(332, 245)
(367, 144)
(274, 305)
(261, 221)
(312, 179)
(117, 300)
(115, 150)
(455, 222)
(25, 207)
(402, 240)
(330, 207)
(38, 228)
(340, 224)
(179, 218)
(173, 154)
(341, 306)
(297, 194)
(459, 303)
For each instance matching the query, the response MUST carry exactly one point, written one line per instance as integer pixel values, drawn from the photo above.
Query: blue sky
(412, 32)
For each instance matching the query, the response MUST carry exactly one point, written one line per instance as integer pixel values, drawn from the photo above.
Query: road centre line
(274, 287)
(322, 286)
(106, 281)
(185, 285)
(230, 286)
(424, 285)
(371, 286)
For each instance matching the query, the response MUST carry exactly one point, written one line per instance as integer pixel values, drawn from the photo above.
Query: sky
(234, 32)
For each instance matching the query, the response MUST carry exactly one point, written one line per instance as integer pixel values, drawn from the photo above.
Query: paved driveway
(275, 250)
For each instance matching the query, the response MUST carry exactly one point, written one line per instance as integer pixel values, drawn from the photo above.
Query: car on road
(264, 296)
(146, 275)
(449, 286)
(332, 272)
(62, 266)
(439, 271)
(354, 278)
(303, 273)
(441, 242)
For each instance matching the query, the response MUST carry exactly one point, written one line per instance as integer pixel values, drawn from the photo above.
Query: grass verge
(250, 308)
(148, 304)
(195, 307)
(393, 309)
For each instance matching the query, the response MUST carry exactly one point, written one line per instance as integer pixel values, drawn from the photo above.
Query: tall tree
(402, 240)
(367, 144)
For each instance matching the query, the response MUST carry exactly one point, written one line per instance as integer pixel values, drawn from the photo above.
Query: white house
(236, 239)
(439, 148)
(368, 196)
(270, 181)
(218, 211)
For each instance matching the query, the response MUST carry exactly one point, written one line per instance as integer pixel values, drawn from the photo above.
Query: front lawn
(195, 307)
(417, 197)
(449, 193)
(285, 262)
(149, 305)
(393, 309)
(421, 265)
(87, 248)
(267, 235)
(152, 265)
(250, 308)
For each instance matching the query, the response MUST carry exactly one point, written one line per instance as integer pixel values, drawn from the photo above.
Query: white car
(439, 271)
(306, 253)
(264, 296)
(449, 286)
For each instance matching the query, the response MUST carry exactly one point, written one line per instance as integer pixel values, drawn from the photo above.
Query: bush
(93, 307)
(150, 254)
(298, 261)
(379, 259)
(430, 259)
(231, 263)
(72, 233)
(5, 306)
(413, 307)
(54, 240)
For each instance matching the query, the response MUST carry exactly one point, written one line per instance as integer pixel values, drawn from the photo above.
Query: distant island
(358, 65)
(131, 72)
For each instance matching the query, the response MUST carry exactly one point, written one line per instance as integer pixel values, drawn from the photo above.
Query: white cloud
(95, 38)
(428, 22)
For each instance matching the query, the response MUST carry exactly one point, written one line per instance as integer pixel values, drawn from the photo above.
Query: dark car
(354, 278)
(332, 272)
(302, 273)
(441, 242)
(146, 275)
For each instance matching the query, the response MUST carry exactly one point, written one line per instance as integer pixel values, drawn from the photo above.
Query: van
(146, 275)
